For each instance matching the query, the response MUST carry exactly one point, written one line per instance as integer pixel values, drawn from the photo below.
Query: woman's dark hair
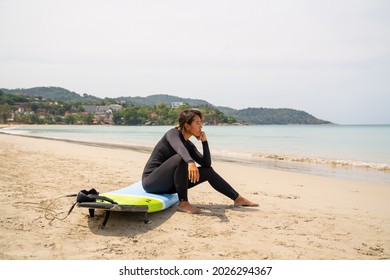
(187, 116)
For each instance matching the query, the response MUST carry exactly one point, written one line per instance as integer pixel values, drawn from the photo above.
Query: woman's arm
(205, 159)
(173, 137)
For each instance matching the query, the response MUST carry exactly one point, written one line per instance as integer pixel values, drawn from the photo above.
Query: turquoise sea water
(360, 152)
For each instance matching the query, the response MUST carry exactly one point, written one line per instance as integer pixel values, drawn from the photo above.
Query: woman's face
(195, 128)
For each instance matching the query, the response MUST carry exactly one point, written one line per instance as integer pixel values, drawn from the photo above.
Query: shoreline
(300, 217)
(312, 166)
(86, 143)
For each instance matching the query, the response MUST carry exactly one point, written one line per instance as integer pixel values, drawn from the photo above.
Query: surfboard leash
(51, 215)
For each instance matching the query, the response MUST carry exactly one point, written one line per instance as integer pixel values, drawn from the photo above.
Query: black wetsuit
(167, 168)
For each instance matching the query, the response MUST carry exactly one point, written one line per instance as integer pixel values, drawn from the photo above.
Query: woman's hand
(193, 172)
(202, 137)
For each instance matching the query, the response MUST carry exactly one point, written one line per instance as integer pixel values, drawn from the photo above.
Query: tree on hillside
(70, 119)
(4, 112)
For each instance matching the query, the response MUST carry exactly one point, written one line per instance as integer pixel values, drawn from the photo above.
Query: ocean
(357, 152)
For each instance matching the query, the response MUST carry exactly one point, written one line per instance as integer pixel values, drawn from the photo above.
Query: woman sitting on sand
(172, 167)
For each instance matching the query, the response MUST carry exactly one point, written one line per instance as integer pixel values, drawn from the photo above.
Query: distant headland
(53, 105)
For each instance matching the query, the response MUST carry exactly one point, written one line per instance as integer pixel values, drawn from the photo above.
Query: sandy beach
(300, 217)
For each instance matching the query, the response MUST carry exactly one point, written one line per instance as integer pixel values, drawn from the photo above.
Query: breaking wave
(331, 162)
(230, 155)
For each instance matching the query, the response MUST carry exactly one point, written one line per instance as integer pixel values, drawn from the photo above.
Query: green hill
(55, 93)
(155, 99)
(271, 116)
(249, 115)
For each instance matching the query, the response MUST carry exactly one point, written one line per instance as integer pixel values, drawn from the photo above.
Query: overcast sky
(330, 58)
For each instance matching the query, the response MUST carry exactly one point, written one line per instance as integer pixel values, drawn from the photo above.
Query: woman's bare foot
(185, 206)
(241, 201)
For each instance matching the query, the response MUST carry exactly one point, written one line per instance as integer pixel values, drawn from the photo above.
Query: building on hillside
(174, 105)
(41, 112)
(103, 113)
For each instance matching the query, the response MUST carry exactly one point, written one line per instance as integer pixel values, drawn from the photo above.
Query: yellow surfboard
(130, 199)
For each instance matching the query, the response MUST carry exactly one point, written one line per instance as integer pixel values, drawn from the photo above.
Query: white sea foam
(15, 131)
(347, 151)
(331, 162)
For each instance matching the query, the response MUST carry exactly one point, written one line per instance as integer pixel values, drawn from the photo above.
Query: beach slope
(299, 217)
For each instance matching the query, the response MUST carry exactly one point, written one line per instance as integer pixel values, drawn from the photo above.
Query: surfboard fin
(108, 208)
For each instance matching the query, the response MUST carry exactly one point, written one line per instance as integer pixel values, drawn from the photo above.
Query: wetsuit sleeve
(205, 159)
(173, 137)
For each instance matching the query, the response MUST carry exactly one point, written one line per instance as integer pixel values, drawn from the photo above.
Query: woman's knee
(178, 161)
(206, 171)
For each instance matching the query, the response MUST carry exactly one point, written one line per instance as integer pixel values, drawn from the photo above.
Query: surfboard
(136, 195)
(132, 198)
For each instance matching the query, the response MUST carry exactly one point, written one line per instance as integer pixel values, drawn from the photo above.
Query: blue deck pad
(136, 195)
